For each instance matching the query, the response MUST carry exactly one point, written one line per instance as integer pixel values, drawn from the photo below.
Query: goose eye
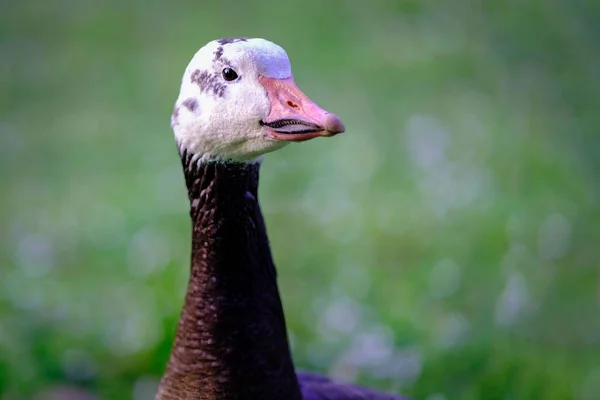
(229, 74)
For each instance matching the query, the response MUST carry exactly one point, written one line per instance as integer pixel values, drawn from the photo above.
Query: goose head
(238, 100)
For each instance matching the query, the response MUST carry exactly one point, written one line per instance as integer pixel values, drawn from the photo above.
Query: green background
(446, 246)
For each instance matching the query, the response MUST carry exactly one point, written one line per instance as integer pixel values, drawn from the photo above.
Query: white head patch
(219, 119)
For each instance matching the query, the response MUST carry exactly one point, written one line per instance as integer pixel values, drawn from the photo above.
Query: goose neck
(231, 341)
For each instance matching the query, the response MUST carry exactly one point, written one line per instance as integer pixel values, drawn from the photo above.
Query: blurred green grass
(445, 246)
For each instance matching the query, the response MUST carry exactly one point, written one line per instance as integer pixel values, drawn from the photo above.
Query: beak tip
(333, 124)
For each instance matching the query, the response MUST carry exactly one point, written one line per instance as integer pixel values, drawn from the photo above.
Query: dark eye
(229, 74)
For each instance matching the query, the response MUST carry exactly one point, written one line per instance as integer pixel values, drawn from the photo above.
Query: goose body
(237, 102)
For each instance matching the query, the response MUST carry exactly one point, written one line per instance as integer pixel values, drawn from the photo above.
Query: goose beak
(293, 116)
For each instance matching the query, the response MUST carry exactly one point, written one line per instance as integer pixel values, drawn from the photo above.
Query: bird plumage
(231, 341)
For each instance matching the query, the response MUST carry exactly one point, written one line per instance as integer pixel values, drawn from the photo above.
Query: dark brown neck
(231, 341)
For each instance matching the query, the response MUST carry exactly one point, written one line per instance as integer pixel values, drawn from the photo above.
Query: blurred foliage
(446, 246)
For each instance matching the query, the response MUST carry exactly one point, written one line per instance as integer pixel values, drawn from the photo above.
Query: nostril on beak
(292, 104)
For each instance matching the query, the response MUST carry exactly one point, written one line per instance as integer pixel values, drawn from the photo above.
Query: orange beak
(293, 116)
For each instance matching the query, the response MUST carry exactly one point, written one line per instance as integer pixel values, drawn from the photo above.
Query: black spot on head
(218, 53)
(191, 104)
(208, 82)
(225, 41)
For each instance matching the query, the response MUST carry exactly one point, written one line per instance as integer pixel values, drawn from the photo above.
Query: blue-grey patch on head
(208, 82)
(218, 53)
(191, 104)
(270, 59)
(225, 41)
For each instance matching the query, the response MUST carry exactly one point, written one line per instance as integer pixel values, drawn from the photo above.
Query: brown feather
(231, 341)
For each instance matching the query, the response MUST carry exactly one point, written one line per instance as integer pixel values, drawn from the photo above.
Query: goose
(237, 102)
